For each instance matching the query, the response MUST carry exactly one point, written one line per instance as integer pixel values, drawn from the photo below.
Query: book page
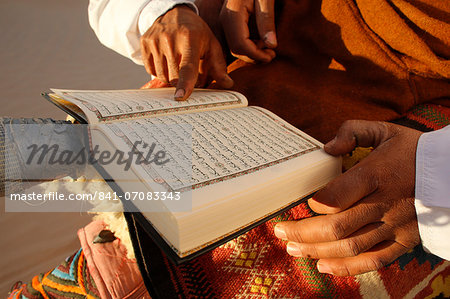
(225, 144)
(113, 105)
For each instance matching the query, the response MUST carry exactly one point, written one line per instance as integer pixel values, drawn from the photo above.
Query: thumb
(355, 133)
(265, 20)
(218, 68)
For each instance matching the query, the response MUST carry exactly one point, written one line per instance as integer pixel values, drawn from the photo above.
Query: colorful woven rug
(256, 265)
(71, 279)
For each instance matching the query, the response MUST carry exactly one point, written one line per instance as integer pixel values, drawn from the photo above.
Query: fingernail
(293, 249)
(323, 268)
(179, 94)
(280, 232)
(270, 39)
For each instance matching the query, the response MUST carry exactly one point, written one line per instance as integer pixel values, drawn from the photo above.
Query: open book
(244, 164)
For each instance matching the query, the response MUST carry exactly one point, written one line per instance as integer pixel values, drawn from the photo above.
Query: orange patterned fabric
(351, 59)
(71, 279)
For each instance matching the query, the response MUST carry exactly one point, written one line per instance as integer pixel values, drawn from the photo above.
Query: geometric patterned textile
(256, 265)
(71, 279)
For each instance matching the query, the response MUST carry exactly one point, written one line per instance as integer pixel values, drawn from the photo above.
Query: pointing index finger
(188, 73)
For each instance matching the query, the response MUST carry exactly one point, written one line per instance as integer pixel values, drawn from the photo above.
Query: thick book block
(234, 166)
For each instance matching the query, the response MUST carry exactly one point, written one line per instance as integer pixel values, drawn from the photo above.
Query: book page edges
(203, 227)
(232, 213)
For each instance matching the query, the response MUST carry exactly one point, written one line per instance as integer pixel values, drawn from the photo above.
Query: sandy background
(44, 44)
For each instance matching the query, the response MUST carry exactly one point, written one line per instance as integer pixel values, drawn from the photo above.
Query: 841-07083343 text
(131, 196)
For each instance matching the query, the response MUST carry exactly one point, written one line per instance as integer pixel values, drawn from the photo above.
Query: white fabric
(119, 24)
(433, 191)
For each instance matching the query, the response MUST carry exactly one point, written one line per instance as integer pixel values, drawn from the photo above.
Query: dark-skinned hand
(369, 216)
(234, 17)
(180, 49)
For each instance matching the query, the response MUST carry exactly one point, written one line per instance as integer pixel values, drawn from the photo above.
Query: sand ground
(44, 44)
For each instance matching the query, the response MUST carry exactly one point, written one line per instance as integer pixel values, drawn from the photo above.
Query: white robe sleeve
(119, 24)
(432, 200)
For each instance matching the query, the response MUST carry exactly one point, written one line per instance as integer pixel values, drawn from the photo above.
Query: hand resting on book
(180, 49)
(369, 216)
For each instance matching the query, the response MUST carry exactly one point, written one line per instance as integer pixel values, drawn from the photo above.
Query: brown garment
(344, 59)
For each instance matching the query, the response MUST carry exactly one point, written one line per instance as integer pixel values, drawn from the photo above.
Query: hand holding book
(370, 216)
